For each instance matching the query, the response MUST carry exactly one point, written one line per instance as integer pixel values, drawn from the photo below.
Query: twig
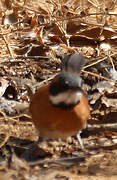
(7, 44)
(107, 127)
(79, 16)
(30, 57)
(4, 141)
(98, 76)
(100, 60)
(67, 18)
(45, 81)
(13, 118)
(69, 160)
(3, 114)
(95, 5)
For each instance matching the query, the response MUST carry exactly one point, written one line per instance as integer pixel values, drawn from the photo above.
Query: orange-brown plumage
(54, 122)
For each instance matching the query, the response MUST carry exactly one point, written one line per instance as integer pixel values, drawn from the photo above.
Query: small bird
(60, 109)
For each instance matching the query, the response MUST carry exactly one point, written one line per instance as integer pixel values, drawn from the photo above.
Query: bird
(60, 109)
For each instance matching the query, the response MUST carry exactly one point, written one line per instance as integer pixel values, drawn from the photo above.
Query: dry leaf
(39, 33)
(109, 102)
(34, 21)
(78, 26)
(3, 86)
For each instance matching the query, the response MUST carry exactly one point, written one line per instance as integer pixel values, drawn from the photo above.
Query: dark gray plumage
(73, 63)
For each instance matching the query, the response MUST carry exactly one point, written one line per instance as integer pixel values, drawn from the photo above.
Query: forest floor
(35, 36)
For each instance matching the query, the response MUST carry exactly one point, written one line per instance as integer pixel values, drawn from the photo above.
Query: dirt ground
(34, 37)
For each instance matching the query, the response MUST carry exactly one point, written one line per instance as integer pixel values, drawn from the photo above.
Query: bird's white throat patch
(67, 97)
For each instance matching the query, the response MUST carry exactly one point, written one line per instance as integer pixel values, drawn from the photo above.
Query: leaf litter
(35, 36)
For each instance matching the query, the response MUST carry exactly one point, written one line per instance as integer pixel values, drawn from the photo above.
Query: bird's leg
(80, 140)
